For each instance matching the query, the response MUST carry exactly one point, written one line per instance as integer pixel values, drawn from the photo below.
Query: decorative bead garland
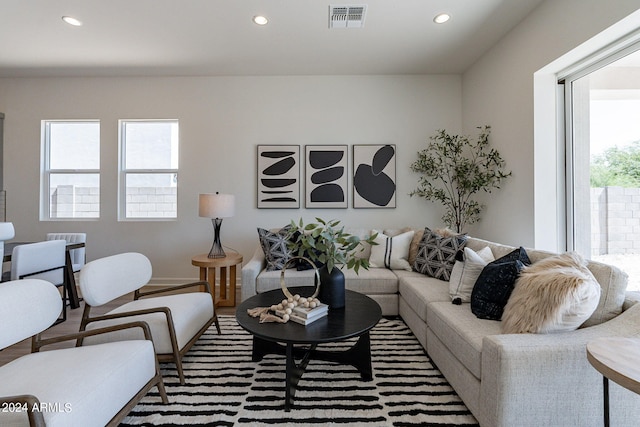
(287, 305)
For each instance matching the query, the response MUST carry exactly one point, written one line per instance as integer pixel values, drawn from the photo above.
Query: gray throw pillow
(275, 247)
(437, 254)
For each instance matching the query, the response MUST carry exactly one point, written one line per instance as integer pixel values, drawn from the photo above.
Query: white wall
(222, 120)
(499, 90)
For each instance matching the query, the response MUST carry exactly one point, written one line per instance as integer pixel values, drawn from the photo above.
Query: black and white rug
(225, 388)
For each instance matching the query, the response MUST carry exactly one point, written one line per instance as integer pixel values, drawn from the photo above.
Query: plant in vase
(327, 244)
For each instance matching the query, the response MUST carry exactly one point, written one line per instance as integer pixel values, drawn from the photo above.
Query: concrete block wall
(615, 220)
(68, 201)
(143, 202)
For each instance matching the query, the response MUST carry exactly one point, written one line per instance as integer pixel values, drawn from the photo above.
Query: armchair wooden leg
(180, 371)
(162, 391)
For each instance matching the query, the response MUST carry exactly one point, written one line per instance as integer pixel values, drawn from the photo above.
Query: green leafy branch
(327, 242)
(453, 169)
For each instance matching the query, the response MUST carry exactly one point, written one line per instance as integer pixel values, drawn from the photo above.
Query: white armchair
(41, 260)
(78, 256)
(176, 320)
(7, 232)
(77, 386)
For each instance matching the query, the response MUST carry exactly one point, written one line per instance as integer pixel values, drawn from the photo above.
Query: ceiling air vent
(347, 16)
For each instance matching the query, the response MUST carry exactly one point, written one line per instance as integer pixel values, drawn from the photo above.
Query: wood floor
(72, 325)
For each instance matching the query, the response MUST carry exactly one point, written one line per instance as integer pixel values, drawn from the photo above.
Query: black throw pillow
(495, 284)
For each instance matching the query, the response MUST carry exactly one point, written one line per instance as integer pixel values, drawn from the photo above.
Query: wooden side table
(616, 358)
(208, 268)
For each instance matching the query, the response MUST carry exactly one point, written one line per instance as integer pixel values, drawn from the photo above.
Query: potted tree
(329, 246)
(453, 170)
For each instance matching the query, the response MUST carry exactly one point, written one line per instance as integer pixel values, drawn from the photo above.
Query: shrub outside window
(70, 186)
(148, 169)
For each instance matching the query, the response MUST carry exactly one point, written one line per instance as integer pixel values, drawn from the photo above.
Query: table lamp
(216, 206)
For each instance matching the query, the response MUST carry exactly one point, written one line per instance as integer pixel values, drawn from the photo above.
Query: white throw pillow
(466, 272)
(391, 252)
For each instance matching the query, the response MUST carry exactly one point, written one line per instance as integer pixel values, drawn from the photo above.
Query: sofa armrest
(250, 273)
(526, 375)
(631, 298)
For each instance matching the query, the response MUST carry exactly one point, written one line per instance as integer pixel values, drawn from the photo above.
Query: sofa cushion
(275, 247)
(371, 281)
(465, 273)
(89, 384)
(613, 282)
(461, 331)
(190, 312)
(556, 294)
(391, 252)
(499, 250)
(417, 290)
(495, 284)
(415, 244)
(269, 280)
(437, 254)
(368, 282)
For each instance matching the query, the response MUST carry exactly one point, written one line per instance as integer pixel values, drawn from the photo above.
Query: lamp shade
(216, 205)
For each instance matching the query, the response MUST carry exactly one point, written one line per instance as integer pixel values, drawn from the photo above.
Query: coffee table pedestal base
(358, 356)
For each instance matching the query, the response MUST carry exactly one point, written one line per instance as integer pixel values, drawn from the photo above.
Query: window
(603, 167)
(70, 186)
(148, 169)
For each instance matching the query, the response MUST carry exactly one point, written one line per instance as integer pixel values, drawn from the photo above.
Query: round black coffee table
(356, 319)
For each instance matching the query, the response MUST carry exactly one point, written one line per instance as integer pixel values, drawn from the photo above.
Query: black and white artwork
(326, 176)
(374, 176)
(278, 176)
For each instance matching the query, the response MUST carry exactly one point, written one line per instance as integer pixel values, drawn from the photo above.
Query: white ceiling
(218, 37)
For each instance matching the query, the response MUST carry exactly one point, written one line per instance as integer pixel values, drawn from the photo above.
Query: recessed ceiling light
(260, 20)
(72, 21)
(441, 18)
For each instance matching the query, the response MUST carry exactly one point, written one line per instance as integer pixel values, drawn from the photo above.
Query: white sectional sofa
(506, 380)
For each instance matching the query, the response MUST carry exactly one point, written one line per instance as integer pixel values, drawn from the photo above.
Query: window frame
(47, 171)
(123, 171)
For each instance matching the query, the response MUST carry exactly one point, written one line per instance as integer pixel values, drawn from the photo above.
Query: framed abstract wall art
(326, 178)
(374, 176)
(278, 176)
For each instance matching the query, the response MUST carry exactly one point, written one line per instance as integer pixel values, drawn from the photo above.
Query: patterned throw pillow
(495, 284)
(437, 254)
(275, 247)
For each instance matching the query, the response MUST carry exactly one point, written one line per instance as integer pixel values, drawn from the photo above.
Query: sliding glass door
(603, 161)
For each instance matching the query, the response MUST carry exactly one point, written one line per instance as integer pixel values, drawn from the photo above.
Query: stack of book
(304, 316)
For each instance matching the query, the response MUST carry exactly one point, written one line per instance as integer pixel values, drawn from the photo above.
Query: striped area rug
(225, 388)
